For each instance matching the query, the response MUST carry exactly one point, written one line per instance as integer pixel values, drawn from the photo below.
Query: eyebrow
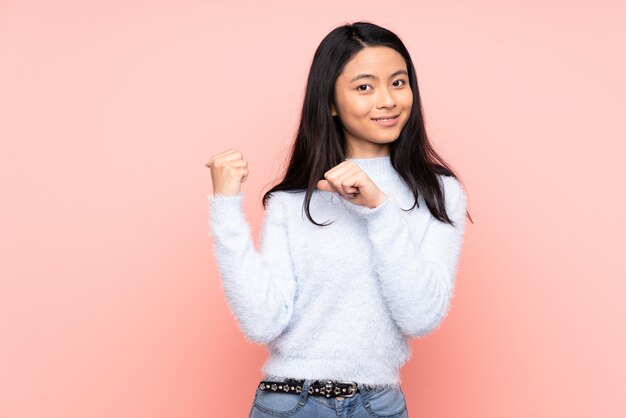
(360, 76)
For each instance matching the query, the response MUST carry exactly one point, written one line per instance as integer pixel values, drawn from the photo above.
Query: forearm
(258, 287)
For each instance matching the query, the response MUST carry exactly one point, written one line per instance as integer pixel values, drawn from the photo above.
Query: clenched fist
(228, 171)
(352, 183)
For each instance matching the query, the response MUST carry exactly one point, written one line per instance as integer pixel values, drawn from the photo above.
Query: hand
(228, 171)
(352, 184)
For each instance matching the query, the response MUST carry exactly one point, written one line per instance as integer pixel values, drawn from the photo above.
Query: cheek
(358, 107)
(406, 99)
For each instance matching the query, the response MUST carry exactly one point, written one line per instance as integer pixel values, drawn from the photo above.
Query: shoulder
(282, 197)
(274, 201)
(454, 193)
(451, 185)
(282, 200)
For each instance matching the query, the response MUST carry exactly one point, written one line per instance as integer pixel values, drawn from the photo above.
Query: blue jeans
(379, 402)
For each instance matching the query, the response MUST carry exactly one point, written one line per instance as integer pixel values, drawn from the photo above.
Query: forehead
(379, 61)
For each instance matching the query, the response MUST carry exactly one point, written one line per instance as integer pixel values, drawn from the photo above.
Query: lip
(390, 122)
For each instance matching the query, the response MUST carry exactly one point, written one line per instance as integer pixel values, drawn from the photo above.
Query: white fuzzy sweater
(340, 301)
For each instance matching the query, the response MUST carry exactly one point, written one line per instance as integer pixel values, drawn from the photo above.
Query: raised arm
(259, 285)
(417, 267)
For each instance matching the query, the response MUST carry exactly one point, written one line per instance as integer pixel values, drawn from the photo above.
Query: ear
(332, 110)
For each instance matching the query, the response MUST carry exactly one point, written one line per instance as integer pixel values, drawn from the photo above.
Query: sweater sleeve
(259, 285)
(417, 267)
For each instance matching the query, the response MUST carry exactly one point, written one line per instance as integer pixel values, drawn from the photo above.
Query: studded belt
(327, 388)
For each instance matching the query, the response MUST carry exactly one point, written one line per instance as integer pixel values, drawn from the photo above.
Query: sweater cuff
(226, 208)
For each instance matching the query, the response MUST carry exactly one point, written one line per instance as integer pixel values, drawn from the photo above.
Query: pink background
(110, 304)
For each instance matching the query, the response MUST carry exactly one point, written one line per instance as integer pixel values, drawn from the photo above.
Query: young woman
(337, 303)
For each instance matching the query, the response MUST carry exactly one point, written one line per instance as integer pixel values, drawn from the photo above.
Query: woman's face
(372, 85)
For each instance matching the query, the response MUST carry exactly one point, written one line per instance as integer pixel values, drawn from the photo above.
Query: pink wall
(110, 304)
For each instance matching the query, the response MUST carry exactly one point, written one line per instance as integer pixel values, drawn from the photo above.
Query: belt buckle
(351, 393)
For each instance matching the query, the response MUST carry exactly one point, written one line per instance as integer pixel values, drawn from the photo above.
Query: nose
(386, 99)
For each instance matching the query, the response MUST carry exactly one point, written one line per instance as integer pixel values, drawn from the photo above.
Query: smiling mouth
(386, 118)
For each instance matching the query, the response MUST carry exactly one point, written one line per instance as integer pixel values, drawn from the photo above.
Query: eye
(367, 85)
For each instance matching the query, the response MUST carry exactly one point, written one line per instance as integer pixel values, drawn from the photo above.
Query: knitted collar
(376, 167)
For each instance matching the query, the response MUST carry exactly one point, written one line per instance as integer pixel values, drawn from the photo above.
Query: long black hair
(320, 143)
